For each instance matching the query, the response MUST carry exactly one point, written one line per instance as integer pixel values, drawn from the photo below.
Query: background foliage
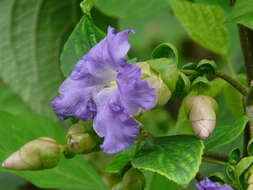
(33, 34)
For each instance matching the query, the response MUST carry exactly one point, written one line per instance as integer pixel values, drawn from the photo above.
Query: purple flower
(104, 87)
(207, 184)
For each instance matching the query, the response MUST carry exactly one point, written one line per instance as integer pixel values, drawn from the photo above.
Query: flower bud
(42, 153)
(79, 141)
(163, 93)
(133, 180)
(201, 113)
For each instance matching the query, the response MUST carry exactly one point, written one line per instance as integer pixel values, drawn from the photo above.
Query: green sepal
(165, 50)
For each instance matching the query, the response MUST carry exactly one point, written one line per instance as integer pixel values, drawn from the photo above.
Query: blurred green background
(154, 23)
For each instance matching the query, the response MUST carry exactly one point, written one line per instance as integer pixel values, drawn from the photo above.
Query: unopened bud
(133, 180)
(42, 153)
(201, 113)
(79, 141)
(163, 93)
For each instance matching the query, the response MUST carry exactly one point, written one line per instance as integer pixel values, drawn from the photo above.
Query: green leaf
(69, 174)
(218, 177)
(10, 102)
(204, 24)
(155, 181)
(200, 84)
(220, 135)
(121, 160)
(206, 66)
(234, 156)
(182, 86)
(84, 36)
(131, 8)
(165, 50)
(32, 34)
(168, 71)
(233, 100)
(242, 12)
(240, 169)
(176, 157)
(250, 147)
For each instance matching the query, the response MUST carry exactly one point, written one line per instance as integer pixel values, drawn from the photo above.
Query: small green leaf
(250, 147)
(165, 50)
(240, 170)
(218, 177)
(220, 135)
(242, 12)
(234, 156)
(206, 66)
(190, 66)
(168, 70)
(230, 172)
(200, 83)
(69, 174)
(84, 36)
(176, 157)
(182, 87)
(121, 160)
(204, 24)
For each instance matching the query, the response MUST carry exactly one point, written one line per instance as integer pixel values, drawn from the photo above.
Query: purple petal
(75, 99)
(207, 184)
(105, 57)
(134, 92)
(117, 127)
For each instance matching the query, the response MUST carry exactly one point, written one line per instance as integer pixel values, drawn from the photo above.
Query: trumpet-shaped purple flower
(105, 88)
(207, 184)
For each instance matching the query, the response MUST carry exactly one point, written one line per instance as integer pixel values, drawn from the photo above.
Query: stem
(213, 161)
(216, 158)
(237, 85)
(246, 37)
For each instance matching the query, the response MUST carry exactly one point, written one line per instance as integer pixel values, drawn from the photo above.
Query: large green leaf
(10, 102)
(131, 8)
(204, 24)
(221, 136)
(84, 36)
(69, 174)
(176, 157)
(242, 13)
(32, 34)
(155, 181)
